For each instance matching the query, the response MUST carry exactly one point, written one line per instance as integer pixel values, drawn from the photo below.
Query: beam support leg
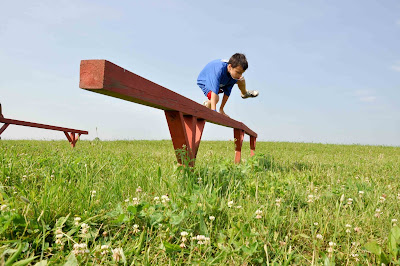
(3, 128)
(186, 132)
(72, 138)
(238, 135)
(252, 145)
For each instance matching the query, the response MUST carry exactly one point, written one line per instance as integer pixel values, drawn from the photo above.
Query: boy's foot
(207, 104)
(250, 94)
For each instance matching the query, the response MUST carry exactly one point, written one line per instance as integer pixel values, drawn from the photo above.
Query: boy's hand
(222, 112)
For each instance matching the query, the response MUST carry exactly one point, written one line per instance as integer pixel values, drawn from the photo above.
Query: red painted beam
(37, 125)
(104, 77)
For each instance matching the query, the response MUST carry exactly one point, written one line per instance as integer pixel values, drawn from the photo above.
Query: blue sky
(327, 71)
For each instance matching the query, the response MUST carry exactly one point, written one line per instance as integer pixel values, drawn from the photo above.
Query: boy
(219, 76)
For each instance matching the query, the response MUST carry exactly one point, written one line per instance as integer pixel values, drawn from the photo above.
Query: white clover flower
(349, 201)
(59, 236)
(378, 213)
(84, 228)
(212, 218)
(135, 201)
(278, 202)
(348, 231)
(238, 207)
(348, 225)
(357, 229)
(117, 254)
(319, 236)
(182, 245)
(184, 234)
(3, 207)
(93, 193)
(360, 193)
(156, 198)
(230, 204)
(76, 220)
(105, 249)
(136, 228)
(139, 189)
(382, 199)
(310, 198)
(355, 256)
(164, 198)
(127, 200)
(315, 223)
(200, 237)
(258, 214)
(394, 220)
(80, 249)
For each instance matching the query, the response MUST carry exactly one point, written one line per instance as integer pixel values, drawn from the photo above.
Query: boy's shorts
(209, 93)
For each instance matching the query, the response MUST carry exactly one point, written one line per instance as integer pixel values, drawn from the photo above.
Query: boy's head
(237, 65)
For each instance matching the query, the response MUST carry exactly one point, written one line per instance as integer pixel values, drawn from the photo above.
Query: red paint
(71, 138)
(239, 135)
(252, 145)
(185, 117)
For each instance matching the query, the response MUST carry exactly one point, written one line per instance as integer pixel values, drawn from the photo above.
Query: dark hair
(238, 60)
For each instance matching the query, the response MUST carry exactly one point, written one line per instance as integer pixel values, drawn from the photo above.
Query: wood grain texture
(104, 77)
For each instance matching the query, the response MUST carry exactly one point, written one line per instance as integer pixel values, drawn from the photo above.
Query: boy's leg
(245, 93)
(207, 103)
(212, 101)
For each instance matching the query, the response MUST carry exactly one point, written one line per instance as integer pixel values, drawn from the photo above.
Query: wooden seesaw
(71, 134)
(185, 118)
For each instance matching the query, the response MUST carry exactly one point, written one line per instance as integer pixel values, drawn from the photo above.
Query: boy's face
(236, 73)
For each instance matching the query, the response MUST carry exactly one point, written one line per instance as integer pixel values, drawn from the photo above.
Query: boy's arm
(224, 100)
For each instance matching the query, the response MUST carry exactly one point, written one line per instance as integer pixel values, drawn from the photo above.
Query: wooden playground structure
(71, 134)
(186, 118)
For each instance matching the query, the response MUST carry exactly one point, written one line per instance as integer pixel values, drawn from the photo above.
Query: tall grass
(292, 203)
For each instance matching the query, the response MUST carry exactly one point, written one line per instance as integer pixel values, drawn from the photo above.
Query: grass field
(128, 202)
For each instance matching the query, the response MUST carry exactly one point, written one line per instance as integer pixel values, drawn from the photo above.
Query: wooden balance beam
(71, 134)
(186, 118)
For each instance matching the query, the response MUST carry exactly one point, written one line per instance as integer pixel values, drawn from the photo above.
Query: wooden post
(186, 132)
(252, 145)
(239, 135)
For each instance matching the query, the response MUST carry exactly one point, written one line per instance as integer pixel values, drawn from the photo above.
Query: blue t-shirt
(215, 76)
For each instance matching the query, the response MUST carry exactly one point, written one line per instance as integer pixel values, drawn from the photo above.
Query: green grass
(301, 190)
